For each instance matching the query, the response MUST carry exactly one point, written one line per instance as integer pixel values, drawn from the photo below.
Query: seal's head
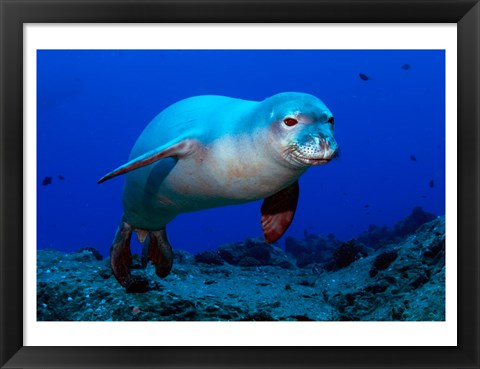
(301, 129)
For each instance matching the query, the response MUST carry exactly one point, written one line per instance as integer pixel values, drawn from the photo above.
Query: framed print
(122, 122)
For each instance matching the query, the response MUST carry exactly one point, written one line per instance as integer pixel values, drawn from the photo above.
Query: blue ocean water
(389, 108)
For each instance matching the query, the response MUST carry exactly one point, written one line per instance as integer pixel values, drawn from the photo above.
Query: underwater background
(368, 238)
(389, 108)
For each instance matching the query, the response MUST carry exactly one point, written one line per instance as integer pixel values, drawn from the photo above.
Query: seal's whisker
(289, 149)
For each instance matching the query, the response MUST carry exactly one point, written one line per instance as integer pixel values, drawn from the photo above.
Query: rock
(296, 247)
(304, 260)
(260, 253)
(377, 288)
(283, 263)
(248, 261)
(348, 318)
(105, 273)
(138, 263)
(308, 281)
(209, 257)
(302, 318)
(377, 237)
(84, 255)
(397, 313)
(232, 253)
(411, 223)
(434, 249)
(421, 279)
(96, 254)
(311, 249)
(138, 285)
(382, 261)
(346, 254)
(405, 281)
(254, 252)
(259, 316)
(182, 257)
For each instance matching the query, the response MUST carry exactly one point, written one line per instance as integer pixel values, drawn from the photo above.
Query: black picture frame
(15, 13)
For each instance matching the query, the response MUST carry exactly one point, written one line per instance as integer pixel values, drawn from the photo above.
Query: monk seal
(209, 151)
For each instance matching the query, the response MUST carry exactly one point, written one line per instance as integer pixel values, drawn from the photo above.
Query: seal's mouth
(319, 161)
(307, 155)
(312, 161)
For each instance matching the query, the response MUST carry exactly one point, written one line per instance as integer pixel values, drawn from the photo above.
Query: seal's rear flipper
(278, 211)
(120, 255)
(176, 149)
(160, 252)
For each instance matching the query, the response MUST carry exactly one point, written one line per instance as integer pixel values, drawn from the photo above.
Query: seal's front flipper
(278, 211)
(160, 252)
(120, 255)
(177, 149)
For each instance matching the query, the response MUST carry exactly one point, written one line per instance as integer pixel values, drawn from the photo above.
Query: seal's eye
(330, 120)
(290, 121)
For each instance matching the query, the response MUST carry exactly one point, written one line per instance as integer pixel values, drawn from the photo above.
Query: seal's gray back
(202, 117)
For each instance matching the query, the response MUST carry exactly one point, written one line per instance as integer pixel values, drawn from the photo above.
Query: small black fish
(406, 66)
(432, 183)
(413, 158)
(363, 77)
(366, 206)
(61, 177)
(46, 181)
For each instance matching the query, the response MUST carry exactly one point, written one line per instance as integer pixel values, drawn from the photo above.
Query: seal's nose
(328, 146)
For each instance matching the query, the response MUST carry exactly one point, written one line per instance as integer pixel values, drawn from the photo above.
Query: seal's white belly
(225, 173)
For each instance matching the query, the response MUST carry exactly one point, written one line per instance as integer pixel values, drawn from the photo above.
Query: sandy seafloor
(384, 274)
